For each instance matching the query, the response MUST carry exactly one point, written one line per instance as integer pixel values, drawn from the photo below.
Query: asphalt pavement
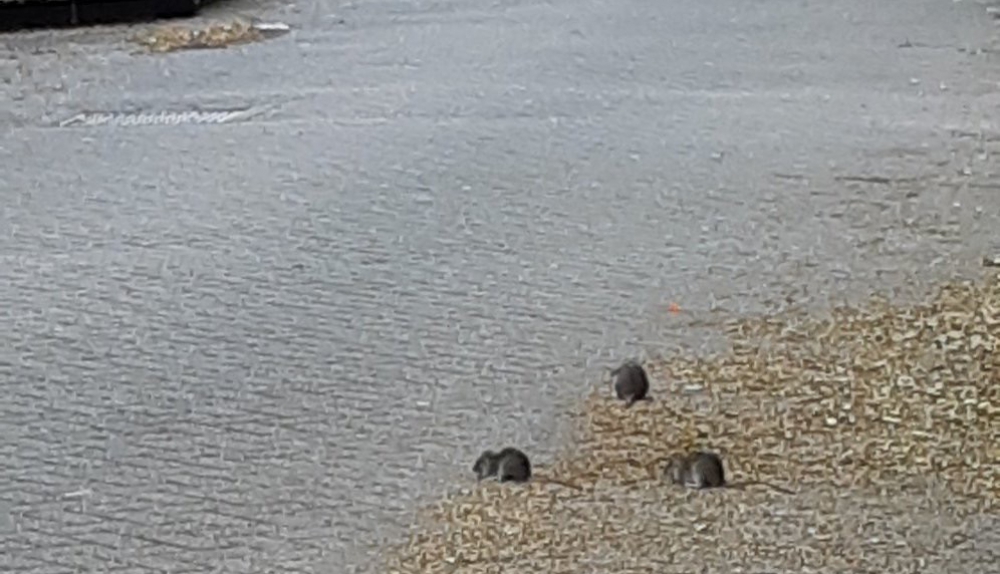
(261, 303)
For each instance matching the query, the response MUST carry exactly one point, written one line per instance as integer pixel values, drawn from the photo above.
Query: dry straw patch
(884, 420)
(216, 35)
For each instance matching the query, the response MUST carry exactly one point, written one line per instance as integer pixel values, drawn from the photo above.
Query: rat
(509, 465)
(704, 470)
(630, 382)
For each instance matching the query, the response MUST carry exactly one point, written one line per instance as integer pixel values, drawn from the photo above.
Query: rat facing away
(704, 470)
(630, 382)
(509, 465)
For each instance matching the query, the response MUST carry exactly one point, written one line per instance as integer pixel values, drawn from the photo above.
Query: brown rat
(630, 382)
(704, 469)
(515, 464)
(510, 464)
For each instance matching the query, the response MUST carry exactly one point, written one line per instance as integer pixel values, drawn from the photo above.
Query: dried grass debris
(213, 36)
(884, 419)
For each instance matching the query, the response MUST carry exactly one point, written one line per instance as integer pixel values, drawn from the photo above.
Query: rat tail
(564, 483)
(745, 483)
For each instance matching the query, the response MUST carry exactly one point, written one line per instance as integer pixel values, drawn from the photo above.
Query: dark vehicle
(16, 14)
(177, 8)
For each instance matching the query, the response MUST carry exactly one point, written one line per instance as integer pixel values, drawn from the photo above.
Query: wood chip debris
(213, 36)
(884, 419)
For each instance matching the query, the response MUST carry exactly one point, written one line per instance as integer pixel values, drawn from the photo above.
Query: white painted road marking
(163, 118)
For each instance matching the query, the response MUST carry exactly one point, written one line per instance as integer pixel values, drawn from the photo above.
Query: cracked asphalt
(259, 346)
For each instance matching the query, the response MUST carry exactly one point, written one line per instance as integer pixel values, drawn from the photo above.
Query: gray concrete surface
(259, 346)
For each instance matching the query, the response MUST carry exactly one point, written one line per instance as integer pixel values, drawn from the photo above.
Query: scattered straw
(884, 420)
(218, 35)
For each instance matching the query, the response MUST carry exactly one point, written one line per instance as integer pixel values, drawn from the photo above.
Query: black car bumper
(32, 13)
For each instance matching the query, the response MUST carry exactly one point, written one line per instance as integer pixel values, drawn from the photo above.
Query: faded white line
(162, 118)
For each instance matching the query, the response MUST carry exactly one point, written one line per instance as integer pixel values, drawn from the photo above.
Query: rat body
(630, 382)
(509, 465)
(704, 470)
